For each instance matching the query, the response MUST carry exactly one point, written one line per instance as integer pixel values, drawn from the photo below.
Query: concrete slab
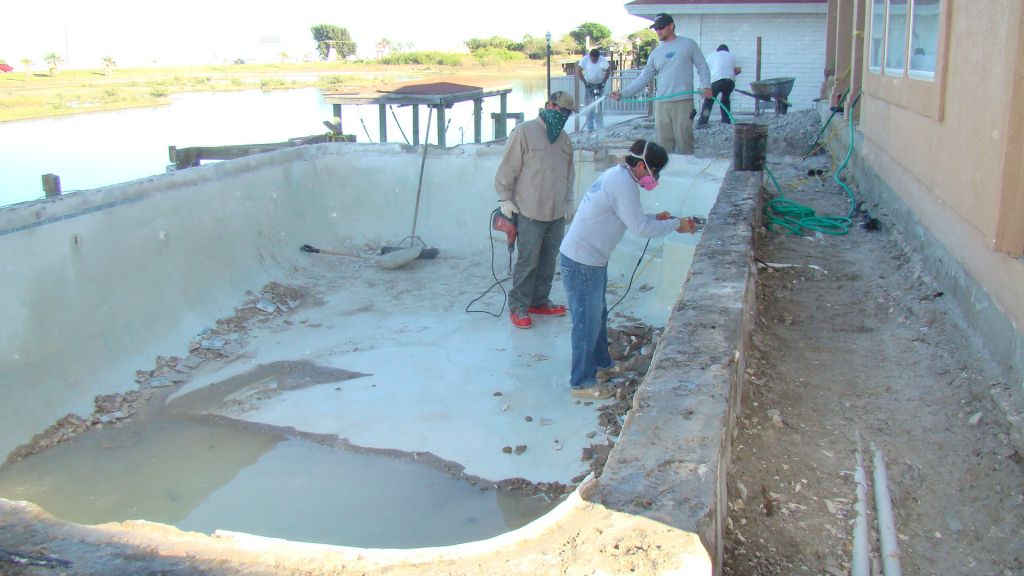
(438, 379)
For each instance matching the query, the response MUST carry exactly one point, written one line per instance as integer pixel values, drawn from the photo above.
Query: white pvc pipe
(886, 522)
(861, 561)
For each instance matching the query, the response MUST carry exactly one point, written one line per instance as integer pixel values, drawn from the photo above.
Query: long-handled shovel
(388, 261)
(425, 253)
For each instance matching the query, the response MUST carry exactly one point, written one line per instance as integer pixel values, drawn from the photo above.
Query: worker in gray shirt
(673, 62)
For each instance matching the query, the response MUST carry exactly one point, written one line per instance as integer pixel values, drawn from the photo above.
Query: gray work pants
(537, 243)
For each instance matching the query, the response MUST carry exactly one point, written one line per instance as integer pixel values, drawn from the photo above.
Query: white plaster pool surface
(432, 370)
(465, 387)
(459, 385)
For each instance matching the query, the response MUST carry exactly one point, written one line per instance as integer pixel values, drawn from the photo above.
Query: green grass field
(37, 94)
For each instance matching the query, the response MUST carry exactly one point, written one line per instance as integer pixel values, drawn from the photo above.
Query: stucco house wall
(942, 159)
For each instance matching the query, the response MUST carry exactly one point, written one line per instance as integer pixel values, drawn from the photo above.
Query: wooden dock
(194, 155)
(438, 96)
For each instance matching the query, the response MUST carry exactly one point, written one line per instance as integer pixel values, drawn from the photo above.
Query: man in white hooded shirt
(609, 208)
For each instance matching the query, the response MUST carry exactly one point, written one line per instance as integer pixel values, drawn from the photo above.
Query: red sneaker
(520, 320)
(548, 309)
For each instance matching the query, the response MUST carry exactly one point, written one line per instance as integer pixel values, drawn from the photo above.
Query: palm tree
(108, 65)
(284, 58)
(53, 59)
(27, 63)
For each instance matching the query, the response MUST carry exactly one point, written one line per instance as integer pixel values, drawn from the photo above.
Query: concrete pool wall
(98, 284)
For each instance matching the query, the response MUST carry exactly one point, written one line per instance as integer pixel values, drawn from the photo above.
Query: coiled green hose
(786, 213)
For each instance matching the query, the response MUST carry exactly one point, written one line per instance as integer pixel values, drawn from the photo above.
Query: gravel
(788, 134)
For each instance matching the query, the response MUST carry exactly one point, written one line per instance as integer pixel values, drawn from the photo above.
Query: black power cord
(504, 294)
(631, 276)
(497, 282)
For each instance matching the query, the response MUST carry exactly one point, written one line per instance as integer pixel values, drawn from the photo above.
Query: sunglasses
(662, 27)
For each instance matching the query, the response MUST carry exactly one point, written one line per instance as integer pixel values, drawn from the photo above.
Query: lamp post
(547, 36)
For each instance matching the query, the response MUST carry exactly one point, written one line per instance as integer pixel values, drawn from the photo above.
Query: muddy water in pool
(177, 464)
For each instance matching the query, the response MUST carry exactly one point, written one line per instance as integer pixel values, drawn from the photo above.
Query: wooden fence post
(51, 185)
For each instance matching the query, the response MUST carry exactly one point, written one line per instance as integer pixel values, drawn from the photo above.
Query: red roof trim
(719, 2)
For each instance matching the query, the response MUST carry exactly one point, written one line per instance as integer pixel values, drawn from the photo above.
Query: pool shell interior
(463, 387)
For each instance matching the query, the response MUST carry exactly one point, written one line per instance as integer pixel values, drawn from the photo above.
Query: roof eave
(649, 10)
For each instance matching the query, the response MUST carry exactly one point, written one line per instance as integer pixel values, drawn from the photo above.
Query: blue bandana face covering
(555, 120)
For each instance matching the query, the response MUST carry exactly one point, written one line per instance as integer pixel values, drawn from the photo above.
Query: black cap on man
(662, 20)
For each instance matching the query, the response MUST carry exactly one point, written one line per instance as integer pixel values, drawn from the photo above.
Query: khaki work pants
(673, 125)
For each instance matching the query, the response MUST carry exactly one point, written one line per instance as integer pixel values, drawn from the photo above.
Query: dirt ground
(854, 339)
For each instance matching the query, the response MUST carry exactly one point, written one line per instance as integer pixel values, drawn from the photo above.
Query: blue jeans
(596, 114)
(585, 288)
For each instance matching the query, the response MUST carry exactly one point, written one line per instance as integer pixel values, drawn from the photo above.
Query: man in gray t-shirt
(673, 62)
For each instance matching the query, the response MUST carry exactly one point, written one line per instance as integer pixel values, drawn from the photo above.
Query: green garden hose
(796, 217)
(784, 212)
(701, 92)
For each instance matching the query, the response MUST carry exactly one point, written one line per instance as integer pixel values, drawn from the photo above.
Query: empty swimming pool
(221, 379)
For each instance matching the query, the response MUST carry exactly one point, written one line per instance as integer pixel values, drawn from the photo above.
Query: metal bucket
(749, 146)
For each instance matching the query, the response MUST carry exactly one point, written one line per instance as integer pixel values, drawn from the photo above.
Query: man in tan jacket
(535, 181)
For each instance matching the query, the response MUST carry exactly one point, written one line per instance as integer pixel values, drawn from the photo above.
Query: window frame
(916, 90)
(887, 34)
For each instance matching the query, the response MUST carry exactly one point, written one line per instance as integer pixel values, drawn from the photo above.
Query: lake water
(98, 149)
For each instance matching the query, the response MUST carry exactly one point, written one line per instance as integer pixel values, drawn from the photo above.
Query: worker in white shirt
(593, 70)
(723, 81)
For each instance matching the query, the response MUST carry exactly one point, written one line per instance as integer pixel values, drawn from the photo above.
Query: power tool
(501, 223)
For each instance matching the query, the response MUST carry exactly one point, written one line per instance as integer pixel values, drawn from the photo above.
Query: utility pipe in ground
(861, 562)
(886, 523)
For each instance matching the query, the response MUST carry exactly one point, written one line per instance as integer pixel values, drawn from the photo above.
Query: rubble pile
(788, 134)
(632, 347)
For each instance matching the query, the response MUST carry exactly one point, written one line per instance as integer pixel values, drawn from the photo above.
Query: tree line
(334, 39)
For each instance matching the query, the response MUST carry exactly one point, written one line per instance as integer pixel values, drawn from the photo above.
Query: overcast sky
(211, 31)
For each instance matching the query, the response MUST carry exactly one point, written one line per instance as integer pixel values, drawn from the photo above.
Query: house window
(896, 38)
(904, 38)
(924, 38)
(877, 35)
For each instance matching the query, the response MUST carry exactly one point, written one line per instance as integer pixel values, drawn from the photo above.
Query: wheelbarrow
(777, 89)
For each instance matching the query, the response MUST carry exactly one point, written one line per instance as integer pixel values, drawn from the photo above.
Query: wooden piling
(51, 185)
(193, 156)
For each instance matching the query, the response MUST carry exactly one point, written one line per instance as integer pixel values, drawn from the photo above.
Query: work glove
(508, 208)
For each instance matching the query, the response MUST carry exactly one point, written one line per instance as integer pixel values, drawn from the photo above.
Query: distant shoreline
(38, 95)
